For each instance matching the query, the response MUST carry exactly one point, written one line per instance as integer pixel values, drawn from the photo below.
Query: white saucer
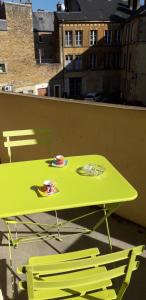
(59, 166)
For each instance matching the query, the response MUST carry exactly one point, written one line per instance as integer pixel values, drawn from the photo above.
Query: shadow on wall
(99, 63)
(26, 144)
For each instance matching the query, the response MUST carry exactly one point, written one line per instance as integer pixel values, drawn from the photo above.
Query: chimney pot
(134, 4)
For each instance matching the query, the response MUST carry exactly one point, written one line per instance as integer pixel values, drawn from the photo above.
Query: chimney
(130, 4)
(136, 4)
(60, 7)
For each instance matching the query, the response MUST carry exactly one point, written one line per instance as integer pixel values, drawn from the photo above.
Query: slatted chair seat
(100, 295)
(79, 275)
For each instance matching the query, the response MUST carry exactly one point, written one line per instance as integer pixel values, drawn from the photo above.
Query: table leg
(110, 208)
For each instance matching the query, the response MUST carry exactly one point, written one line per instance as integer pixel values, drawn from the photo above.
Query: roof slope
(98, 10)
(43, 21)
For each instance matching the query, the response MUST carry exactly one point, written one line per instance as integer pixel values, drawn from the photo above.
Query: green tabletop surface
(18, 183)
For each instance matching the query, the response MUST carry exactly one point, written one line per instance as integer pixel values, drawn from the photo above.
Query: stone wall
(17, 50)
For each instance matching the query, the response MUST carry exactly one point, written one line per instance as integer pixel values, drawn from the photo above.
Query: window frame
(69, 65)
(68, 41)
(78, 38)
(93, 38)
(78, 62)
(117, 36)
(108, 37)
(92, 61)
(1, 68)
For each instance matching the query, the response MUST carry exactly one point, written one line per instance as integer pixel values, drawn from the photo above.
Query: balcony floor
(124, 234)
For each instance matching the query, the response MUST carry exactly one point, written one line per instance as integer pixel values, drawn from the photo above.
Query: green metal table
(18, 183)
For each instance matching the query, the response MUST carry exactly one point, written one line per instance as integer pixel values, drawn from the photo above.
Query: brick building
(21, 70)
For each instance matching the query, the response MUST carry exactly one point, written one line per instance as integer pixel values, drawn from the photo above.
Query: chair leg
(16, 232)
(10, 251)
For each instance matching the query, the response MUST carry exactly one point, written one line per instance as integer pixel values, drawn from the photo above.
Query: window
(78, 63)
(93, 37)
(40, 39)
(93, 61)
(116, 60)
(30, 91)
(42, 50)
(107, 60)
(79, 38)
(125, 61)
(2, 68)
(127, 33)
(108, 37)
(69, 62)
(129, 63)
(68, 38)
(132, 32)
(41, 55)
(117, 37)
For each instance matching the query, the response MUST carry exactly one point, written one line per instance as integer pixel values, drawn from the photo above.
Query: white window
(107, 60)
(41, 55)
(69, 62)
(40, 39)
(108, 37)
(127, 33)
(93, 37)
(68, 38)
(42, 52)
(79, 38)
(117, 37)
(2, 68)
(93, 61)
(132, 32)
(78, 62)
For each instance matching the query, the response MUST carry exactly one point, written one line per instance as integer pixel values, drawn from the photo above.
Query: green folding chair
(79, 275)
(32, 137)
(38, 137)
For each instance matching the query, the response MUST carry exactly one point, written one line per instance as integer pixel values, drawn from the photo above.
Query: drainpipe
(63, 56)
(40, 56)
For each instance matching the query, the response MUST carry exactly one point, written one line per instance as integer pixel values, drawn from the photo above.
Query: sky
(44, 4)
(49, 5)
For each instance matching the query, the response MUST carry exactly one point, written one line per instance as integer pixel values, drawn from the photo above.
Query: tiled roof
(43, 21)
(98, 10)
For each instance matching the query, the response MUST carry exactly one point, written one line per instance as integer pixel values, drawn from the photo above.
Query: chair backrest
(1, 296)
(64, 272)
(40, 136)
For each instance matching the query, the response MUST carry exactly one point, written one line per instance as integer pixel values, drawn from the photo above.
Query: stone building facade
(19, 69)
(133, 64)
(85, 47)
(103, 49)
